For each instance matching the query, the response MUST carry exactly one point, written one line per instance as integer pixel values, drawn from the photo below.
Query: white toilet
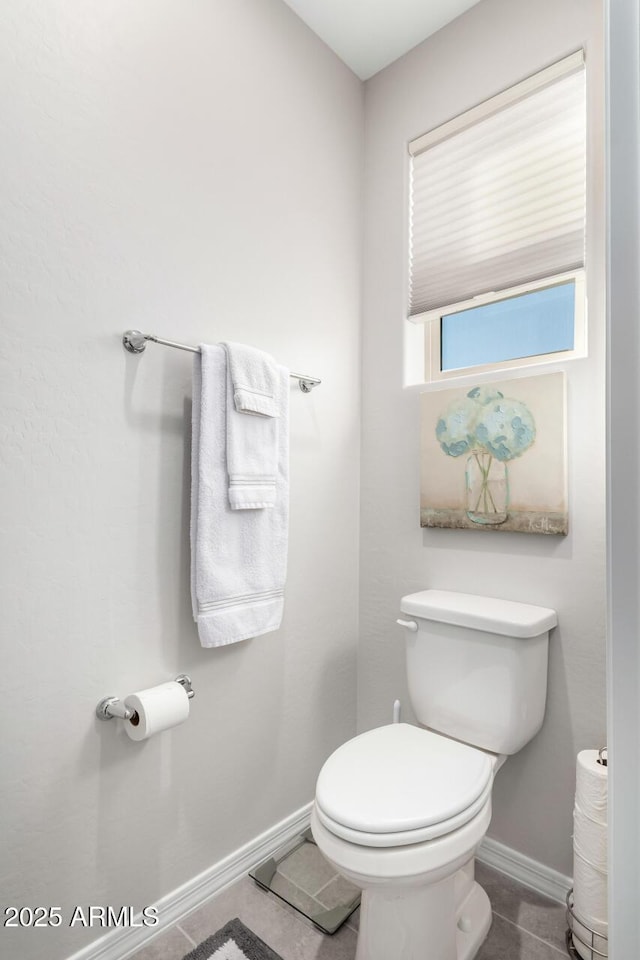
(401, 810)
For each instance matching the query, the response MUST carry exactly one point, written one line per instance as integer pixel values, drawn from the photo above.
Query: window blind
(498, 194)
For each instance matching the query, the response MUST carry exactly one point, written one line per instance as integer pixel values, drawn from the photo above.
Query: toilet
(401, 810)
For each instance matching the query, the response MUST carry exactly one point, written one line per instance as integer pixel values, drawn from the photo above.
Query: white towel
(238, 557)
(252, 441)
(254, 375)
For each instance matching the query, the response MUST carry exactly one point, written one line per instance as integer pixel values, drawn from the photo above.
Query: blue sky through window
(525, 326)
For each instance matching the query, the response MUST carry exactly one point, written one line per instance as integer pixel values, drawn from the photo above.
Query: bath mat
(233, 942)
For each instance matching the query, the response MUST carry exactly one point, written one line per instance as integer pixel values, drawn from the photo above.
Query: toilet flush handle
(409, 624)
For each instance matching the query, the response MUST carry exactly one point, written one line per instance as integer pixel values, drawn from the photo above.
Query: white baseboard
(120, 943)
(542, 879)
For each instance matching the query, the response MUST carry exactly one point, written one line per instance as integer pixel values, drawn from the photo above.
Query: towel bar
(135, 342)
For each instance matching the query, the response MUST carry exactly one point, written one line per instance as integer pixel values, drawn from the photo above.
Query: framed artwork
(494, 456)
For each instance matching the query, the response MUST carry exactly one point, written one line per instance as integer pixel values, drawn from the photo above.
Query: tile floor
(526, 926)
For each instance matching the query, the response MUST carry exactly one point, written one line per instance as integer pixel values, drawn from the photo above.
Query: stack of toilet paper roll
(590, 856)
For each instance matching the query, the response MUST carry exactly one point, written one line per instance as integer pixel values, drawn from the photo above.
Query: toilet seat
(405, 837)
(401, 784)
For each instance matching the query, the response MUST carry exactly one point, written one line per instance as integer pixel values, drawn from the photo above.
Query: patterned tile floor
(526, 926)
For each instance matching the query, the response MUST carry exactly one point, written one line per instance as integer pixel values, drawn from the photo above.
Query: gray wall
(493, 45)
(191, 169)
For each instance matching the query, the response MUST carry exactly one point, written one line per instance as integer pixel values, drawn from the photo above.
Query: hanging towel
(254, 376)
(238, 557)
(252, 441)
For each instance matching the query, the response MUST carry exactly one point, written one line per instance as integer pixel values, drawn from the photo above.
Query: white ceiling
(370, 34)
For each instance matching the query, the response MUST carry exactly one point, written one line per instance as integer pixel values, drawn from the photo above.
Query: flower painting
(494, 457)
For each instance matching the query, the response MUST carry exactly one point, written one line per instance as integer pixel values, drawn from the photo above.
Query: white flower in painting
(506, 429)
(485, 421)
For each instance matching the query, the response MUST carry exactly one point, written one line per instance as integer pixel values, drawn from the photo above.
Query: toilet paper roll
(156, 709)
(590, 856)
(590, 839)
(591, 786)
(590, 895)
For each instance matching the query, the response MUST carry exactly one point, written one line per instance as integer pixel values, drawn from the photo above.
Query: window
(497, 227)
(533, 325)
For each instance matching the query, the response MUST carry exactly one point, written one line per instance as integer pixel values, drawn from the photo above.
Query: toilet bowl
(401, 810)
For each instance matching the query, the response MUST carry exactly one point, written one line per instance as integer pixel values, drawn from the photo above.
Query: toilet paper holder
(110, 707)
(578, 929)
(587, 937)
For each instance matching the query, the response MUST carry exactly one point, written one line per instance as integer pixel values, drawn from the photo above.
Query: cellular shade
(498, 194)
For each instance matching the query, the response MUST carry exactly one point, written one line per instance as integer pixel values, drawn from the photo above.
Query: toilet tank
(477, 667)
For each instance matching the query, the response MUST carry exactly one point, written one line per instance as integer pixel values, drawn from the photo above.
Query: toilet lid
(400, 778)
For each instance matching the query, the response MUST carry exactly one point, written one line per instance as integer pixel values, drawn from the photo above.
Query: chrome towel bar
(135, 342)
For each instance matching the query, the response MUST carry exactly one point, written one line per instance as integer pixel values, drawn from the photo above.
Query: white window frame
(422, 341)
(432, 324)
